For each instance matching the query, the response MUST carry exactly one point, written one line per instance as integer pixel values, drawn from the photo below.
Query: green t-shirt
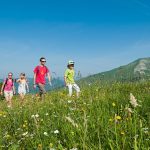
(69, 74)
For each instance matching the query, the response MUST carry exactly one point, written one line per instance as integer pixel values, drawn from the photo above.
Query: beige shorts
(8, 94)
(41, 88)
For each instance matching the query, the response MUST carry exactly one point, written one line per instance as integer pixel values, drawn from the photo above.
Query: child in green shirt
(69, 79)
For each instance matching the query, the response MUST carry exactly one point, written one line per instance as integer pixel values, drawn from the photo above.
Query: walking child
(23, 87)
(8, 89)
(69, 79)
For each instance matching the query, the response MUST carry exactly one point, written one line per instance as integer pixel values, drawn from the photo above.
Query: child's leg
(76, 87)
(22, 98)
(70, 89)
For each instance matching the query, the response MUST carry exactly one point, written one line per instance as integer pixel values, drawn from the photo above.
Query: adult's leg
(7, 98)
(10, 98)
(42, 90)
(76, 87)
(70, 89)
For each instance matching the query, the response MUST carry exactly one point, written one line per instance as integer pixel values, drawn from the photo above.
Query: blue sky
(98, 35)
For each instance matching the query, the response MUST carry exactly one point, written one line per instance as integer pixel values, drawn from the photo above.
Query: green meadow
(105, 117)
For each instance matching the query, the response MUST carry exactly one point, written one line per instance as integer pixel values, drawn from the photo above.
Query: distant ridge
(134, 71)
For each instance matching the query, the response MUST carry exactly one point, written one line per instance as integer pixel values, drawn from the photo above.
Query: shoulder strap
(5, 83)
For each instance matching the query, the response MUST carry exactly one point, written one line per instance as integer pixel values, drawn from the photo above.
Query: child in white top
(23, 87)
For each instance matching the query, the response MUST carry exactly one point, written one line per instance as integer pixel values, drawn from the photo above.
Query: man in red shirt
(40, 73)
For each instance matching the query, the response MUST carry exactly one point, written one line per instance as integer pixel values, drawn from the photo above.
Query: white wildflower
(56, 132)
(25, 134)
(69, 101)
(74, 149)
(133, 100)
(33, 116)
(46, 114)
(45, 133)
(36, 115)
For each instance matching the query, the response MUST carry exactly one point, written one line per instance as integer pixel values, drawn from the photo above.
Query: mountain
(135, 71)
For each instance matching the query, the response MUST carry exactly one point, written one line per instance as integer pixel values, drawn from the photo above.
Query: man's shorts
(41, 88)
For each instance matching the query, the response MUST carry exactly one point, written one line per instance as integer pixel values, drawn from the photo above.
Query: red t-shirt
(41, 73)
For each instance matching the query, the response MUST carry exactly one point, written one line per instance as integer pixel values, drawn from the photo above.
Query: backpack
(7, 81)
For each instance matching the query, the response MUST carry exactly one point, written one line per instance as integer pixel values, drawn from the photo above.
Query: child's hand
(1, 93)
(50, 83)
(34, 86)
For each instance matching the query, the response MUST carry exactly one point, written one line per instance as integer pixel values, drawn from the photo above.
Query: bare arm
(49, 77)
(65, 79)
(34, 79)
(2, 87)
(14, 90)
(18, 81)
(27, 86)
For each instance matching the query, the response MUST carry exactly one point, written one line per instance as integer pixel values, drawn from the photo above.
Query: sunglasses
(43, 60)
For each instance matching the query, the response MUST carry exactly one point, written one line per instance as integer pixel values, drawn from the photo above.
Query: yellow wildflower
(118, 117)
(51, 145)
(113, 104)
(122, 133)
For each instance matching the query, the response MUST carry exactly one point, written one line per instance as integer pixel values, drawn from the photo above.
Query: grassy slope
(93, 124)
(123, 73)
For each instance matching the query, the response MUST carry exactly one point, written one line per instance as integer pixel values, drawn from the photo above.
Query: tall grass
(99, 120)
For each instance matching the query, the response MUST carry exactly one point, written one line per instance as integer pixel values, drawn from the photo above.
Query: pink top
(9, 85)
(41, 72)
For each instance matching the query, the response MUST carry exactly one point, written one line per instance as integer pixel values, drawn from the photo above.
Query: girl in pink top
(9, 89)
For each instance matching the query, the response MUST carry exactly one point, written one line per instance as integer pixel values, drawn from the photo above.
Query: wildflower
(7, 136)
(51, 145)
(145, 130)
(129, 110)
(113, 104)
(36, 115)
(33, 116)
(74, 149)
(46, 114)
(71, 121)
(24, 126)
(45, 133)
(40, 147)
(118, 117)
(69, 101)
(122, 133)
(72, 133)
(56, 132)
(133, 100)
(25, 134)
(110, 120)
